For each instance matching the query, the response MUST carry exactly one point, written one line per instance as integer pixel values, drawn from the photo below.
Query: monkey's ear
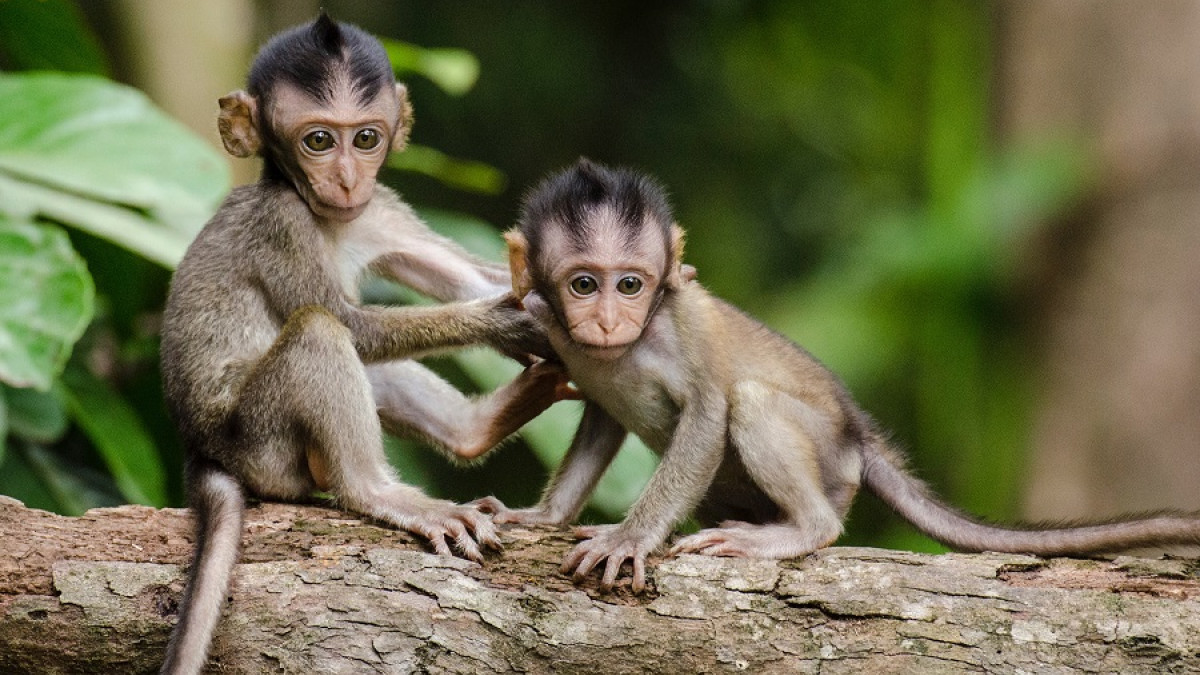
(678, 274)
(518, 263)
(404, 120)
(238, 123)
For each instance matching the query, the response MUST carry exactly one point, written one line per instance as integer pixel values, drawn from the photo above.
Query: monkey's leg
(328, 436)
(414, 401)
(778, 439)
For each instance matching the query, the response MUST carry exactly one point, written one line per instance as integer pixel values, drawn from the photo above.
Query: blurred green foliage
(832, 163)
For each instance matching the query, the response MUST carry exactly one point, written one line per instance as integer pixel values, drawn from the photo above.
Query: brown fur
(275, 372)
(757, 438)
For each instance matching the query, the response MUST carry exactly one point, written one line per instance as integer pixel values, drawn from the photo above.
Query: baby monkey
(275, 372)
(757, 438)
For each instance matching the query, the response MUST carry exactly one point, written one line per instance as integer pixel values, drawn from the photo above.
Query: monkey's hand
(517, 333)
(614, 545)
(501, 514)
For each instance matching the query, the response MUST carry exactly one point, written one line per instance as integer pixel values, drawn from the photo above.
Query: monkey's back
(217, 317)
(752, 351)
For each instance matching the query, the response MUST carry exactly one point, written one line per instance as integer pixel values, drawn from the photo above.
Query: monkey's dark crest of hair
(313, 56)
(570, 195)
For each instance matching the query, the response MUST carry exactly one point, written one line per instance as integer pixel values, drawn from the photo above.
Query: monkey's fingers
(438, 541)
(612, 568)
(488, 504)
(484, 530)
(583, 559)
(588, 531)
(639, 573)
(565, 391)
(714, 542)
(456, 530)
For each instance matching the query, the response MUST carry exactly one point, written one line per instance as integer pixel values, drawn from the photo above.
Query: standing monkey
(274, 372)
(757, 438)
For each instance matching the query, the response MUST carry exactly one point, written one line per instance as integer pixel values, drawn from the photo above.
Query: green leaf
(35, 415)
(72, 489)
(49, 35)
(47, 296)
(118, 434)
(463, 174)
(19, 481)
(455, 71)
(133, 230)
(99, 156)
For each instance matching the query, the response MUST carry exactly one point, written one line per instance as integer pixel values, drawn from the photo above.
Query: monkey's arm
(684, 475)
(596, 443)
(433, 265)
(415, 402)
(382, 333)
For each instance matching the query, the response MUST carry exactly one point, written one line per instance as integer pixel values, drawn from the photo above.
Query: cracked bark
(321, 591)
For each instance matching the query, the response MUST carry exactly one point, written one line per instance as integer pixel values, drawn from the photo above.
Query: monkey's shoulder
(738, 348)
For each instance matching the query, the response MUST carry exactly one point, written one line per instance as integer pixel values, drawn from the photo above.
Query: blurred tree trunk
(185, 55)
(1119, 427)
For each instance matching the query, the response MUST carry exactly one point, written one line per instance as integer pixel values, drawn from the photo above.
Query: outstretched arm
(596, 443)
(684, 475)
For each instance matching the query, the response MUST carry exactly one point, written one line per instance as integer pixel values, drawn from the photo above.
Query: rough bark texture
(320, 591)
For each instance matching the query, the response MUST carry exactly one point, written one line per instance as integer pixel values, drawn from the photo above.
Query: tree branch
(321, 591)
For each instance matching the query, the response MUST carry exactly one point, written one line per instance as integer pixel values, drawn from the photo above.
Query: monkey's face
(608, 290)
(333, 151)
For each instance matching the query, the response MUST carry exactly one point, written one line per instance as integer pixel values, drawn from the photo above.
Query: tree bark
(319, 590)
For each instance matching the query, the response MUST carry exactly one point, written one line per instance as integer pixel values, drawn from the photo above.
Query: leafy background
(832, 163)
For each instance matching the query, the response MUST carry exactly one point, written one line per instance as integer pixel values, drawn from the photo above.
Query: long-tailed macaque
(757, 438)
(274, 372)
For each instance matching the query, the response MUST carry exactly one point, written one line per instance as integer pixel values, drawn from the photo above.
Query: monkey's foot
(614, 545)
(737, 539)
(501, 514)
(444, 523)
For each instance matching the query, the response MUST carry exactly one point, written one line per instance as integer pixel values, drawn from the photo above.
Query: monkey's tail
(219, 504)
(885, 475)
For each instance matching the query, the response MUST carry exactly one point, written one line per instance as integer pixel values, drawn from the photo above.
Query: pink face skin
(338, 148)
(607, 291)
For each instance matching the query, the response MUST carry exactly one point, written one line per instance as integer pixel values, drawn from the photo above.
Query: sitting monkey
(757, 438)
(274, 371)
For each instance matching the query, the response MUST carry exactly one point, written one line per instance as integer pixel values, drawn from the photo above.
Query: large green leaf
(119, 436)
(99, 156)
(34, 415)
(47, 298)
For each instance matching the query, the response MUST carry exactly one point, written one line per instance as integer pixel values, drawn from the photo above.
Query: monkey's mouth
(342, 214)
(603, 352)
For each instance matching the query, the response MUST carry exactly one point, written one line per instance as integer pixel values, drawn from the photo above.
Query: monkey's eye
(319, 141)
(584, 285)
(629, 286)
(366, 139)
